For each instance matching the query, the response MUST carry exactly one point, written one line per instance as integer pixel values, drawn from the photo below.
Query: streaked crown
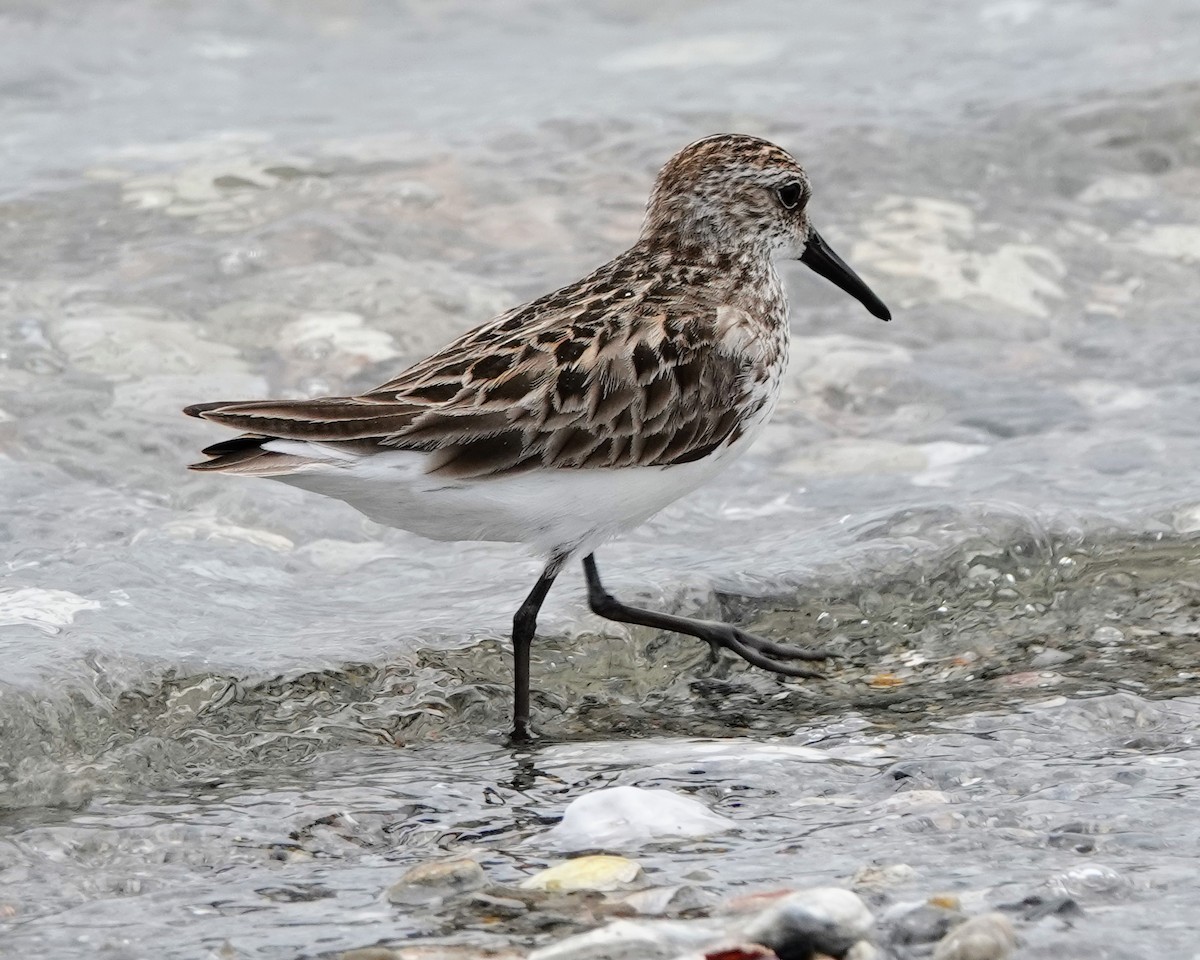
(731, 193)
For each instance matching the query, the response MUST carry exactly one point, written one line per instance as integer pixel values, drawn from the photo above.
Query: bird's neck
(724, 274)
(699, 238)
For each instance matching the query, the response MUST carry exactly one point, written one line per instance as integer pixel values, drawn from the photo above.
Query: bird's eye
(790, 195)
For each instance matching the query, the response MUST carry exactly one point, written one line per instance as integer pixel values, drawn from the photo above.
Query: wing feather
(580, 378)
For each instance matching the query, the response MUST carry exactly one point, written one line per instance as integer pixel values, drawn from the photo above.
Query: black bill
(819, 258)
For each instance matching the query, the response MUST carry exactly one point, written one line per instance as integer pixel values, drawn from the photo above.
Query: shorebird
(579, 415)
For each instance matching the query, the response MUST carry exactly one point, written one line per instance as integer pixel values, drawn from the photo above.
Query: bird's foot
(761, 652)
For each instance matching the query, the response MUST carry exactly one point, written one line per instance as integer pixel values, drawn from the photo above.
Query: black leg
(755, 650)
(524, 624)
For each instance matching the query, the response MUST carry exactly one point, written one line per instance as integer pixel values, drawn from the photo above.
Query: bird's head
(739, 196)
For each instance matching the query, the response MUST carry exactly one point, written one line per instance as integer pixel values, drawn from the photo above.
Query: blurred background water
(989, 506)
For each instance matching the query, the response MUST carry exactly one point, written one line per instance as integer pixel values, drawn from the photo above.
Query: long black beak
(819, 258)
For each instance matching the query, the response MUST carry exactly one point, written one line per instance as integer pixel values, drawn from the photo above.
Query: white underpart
(571, 510)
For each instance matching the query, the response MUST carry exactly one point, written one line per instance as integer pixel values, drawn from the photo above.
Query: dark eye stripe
(790, 195)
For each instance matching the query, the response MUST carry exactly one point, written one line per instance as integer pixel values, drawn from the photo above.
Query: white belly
(573, 509)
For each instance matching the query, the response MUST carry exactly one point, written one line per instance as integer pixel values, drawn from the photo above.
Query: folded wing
(611, 385)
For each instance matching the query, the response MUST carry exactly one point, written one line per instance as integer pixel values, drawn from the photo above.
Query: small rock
(986, 937)
(658, 901)
(826, 919)
(911, 924)
(434, 881)
(505, 908)
(623, 816)
(1050, 658)
(742, 951)
(754, 902)
(1107, 636)
(598, 872)
(1035, 907)
(633, 940)
(914, 800)
(877, 876)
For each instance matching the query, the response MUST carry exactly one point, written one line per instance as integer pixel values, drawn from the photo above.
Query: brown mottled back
(659, 357)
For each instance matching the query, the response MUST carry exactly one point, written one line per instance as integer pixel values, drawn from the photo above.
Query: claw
(754, 650)
(754, 657)
(783, 651)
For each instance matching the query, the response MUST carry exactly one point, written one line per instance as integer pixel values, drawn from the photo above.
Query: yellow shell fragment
(597, 872)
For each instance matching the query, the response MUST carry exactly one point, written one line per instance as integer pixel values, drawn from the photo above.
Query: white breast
(549, 509)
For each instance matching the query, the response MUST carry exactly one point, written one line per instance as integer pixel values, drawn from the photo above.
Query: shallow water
(1054, 799)
(988, 506)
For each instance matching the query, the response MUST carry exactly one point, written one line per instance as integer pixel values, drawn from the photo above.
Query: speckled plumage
(578, 415)
(657, 358)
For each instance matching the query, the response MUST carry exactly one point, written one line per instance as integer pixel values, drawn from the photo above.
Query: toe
(759, 659)
(784, 651)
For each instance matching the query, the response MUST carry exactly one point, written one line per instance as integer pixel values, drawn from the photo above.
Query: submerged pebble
(633, 940)
(434, 881)
(828, 920)
(986, 937)
(599, 872)
(742, 951)
(505, 908)
(878, 876)
(909, 924)
(659, 901)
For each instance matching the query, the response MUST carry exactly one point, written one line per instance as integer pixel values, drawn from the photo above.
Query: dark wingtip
(199, 409)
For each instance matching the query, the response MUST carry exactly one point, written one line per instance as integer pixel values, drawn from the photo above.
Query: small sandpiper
(581, 414)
